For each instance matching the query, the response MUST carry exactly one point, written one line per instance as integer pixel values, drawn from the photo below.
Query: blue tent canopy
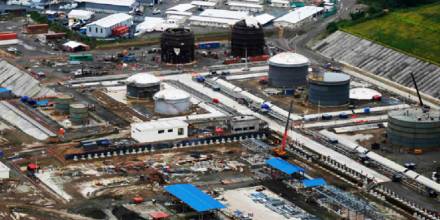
(313, 182)
(44, 102)
(283, 166)
(2, 89)
(194, 197)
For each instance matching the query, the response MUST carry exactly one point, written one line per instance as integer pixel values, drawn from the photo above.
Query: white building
(159, 130)
(218, 18)
(150, 24)
(179, 13)
(103, 27)
(244, 6)
(280, 3)
(108, 6)
(212, 22)
(220, 13)
(4, 171)
(265, 18)
(204, 4)
(298, 17)
(182, 7)
(80, 15)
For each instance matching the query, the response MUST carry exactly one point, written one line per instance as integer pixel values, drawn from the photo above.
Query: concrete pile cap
(289, 59)
(78, 105)
(143, 79)
(363, 93)
(414, 114)
(171, 94)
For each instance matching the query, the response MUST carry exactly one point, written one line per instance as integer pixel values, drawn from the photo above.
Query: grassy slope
(415, 31)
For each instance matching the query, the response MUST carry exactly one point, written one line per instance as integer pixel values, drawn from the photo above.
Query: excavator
(281, 150)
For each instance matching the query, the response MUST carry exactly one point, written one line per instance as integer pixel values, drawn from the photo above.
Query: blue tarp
(44, 102)
(313, 182)
(283, 166)
(4, 90)
(194, 197)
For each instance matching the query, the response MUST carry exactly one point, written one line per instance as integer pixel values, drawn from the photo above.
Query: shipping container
(259, 58)
(37, 28)
(232, 60)
(120, 30)
(55, 36)
(8, 36)
(81, 57)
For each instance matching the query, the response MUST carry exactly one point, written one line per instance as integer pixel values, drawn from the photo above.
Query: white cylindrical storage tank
(171, 102)
(288, 70)
(142, 86)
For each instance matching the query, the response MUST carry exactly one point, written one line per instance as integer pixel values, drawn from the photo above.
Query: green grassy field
(415, 31)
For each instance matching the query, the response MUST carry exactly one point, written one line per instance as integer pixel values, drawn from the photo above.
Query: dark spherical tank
(247, 33)
(177, 46)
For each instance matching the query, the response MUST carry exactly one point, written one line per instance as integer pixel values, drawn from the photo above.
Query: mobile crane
(281, 150)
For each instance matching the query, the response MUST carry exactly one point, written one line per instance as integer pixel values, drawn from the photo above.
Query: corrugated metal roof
(111, 20)
(195, 198)
(220, 13)
(283, 166)
(299, 14)
(181, 7)
(264, 18)
(313, 182)
(20, 82)
(127, 3)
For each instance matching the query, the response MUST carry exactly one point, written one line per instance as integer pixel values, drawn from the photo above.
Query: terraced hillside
(381, 61)
(414, 30)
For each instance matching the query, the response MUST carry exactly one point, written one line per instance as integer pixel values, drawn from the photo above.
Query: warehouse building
(280, 3)
(218, 18)
(80, 15)
(108, 6)
(182, 8)
(298, 17)
(243, 6)
(103, 27)
(204, 4)
(159, 130)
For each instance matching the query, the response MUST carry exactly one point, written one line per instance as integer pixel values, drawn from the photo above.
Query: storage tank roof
(289, 59)
(363, 93)
(143, 79)
(330, 77)
(171, 94)
(416, 115)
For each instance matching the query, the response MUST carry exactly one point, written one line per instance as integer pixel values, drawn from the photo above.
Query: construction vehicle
(281, 150)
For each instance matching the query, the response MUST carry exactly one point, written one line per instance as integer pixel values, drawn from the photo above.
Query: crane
(281, 150)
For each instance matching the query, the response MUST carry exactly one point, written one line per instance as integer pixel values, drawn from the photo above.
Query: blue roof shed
(283, 166)
(313, 182)
(194, 197)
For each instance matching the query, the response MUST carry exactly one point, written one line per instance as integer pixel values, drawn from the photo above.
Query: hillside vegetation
(413, 30)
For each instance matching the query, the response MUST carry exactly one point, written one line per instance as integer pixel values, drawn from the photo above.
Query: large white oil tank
(171, 102)
(142, 86)
(288, 70)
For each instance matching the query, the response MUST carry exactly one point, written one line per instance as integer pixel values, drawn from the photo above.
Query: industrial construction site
(211, 110)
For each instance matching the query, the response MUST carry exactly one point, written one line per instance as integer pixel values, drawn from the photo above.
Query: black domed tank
(247, 33)
(177, 46)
